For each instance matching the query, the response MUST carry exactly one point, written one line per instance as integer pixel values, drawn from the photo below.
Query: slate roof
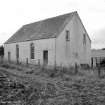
(44, 29)
(98, 53)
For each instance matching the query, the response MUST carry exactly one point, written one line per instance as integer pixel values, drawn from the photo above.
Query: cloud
(15, 13)
(98, 39)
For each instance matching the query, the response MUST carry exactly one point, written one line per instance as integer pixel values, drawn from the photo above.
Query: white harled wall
(70, 52)
(84, 51)
(24, 51)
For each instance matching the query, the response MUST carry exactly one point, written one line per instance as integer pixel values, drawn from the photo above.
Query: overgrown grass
(82, 88)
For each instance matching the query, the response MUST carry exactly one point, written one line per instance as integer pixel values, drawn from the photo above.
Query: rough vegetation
(55, 88)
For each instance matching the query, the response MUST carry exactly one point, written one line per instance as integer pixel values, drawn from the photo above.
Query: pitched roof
(48, 28)
(98, 53)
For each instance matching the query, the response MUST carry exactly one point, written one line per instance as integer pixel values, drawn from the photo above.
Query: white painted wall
(24, 51)
(64, 48)
(84, 52)
(73, 51)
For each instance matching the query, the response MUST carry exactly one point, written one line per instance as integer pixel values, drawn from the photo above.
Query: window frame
(17, 51)
(84, 39)
(32, 51)
(67, 35)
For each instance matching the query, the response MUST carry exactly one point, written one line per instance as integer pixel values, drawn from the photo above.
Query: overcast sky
(15, 13)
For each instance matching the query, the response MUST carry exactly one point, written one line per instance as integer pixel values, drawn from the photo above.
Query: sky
(15, 13)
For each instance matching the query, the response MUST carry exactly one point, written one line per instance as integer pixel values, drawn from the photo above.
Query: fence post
(27, 61)
(38, 62)
(76, 68)
(99, 71)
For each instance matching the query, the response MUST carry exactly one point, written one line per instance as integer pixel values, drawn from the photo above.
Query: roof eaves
(29, 40)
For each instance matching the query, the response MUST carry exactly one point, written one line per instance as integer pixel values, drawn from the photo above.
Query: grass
(60, 86)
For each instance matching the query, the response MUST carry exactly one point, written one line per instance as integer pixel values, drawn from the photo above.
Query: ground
(34, 85)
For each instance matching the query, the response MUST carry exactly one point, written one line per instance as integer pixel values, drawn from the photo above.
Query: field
(34, 85)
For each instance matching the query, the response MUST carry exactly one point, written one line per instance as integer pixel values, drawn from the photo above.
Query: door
(45, 57)
(9, 56)
(91, 62)
(17, 53)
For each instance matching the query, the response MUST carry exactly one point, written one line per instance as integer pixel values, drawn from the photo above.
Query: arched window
(32, 50)
(17, 51)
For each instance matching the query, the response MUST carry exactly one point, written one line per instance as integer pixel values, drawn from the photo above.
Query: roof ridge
(50, 18)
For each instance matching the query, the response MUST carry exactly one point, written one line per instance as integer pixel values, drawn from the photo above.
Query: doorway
(9, 56)
(45, 57)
